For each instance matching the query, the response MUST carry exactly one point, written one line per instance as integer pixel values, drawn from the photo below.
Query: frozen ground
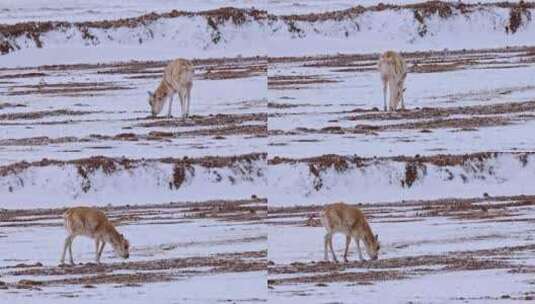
(427, 177)
(65, 115)
(457, 102)
(69, 112)
(76, 130)
(177, 250)
(299, 131)
(447, 251)
(330, 141)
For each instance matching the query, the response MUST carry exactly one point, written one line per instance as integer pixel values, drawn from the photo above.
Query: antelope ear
(376, 237)
(150, 93)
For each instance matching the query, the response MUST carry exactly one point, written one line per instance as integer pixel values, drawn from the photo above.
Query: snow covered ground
(457, 102)
(75, 129)
(176, 251)
(72, 113)
(390, 179)
(466, 251)
(286, 118)
(76, 102)
(398, 29)
(246, 32)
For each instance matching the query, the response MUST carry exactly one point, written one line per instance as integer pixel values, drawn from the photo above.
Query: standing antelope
(393, 70)
(177, 78)
(92, 223)
(350, 221)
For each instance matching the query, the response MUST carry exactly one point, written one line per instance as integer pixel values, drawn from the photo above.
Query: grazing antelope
(350, 221)
(177, 78)
(92, 223)
(393, 70)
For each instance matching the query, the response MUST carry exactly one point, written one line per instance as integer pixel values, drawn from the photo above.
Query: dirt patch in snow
(65, 89)
(44, 114)
(141, 272)
(295, 82)
(457, 124)
(247, 210)
(427, 113)
(441, 160)
(210, 120)
(220, 125)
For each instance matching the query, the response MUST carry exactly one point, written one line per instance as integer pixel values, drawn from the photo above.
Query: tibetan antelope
(177, 78)
(342, 218)
(94, 224)
(393, 70)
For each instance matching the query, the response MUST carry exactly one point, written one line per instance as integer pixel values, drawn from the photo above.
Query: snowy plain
(418, 256)
(158, 235)
(74, 97)
(81, 134)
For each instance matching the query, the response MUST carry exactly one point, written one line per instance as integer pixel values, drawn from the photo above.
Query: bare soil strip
(211, 120)
(253, 210)
(43, 114)
(429, 113)
(108, 164)
(220, 125)
(65, 89)
(210, 68)
(461, 124)
(219, 133)
(295, 82)
(456, 208)
(340, 162)
(419, 61)
(140, 272)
